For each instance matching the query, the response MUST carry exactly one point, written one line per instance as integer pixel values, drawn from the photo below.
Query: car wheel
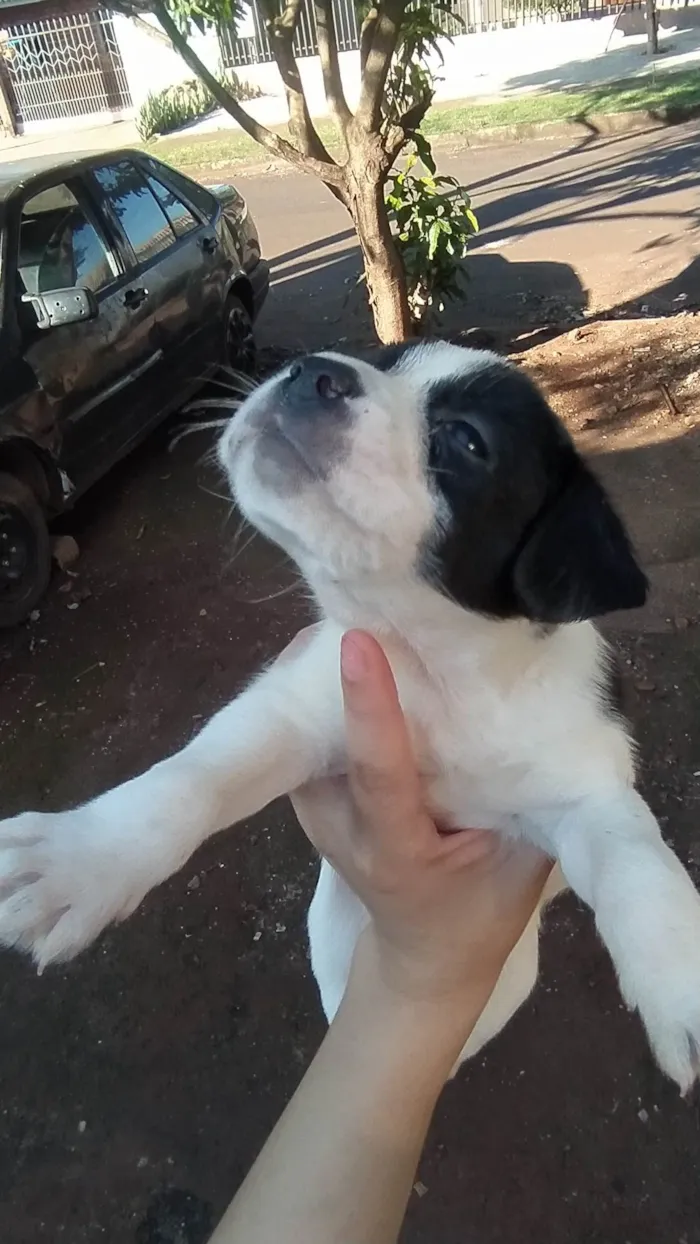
(25, 551)
(239, 344)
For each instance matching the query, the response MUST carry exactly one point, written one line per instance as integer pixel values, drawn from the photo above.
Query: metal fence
(253, 49)
(469, 16)
(65, 67)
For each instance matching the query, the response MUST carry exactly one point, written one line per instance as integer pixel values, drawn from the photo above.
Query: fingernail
(353, 661)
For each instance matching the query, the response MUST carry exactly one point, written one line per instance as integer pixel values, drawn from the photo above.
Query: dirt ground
(137, 1084)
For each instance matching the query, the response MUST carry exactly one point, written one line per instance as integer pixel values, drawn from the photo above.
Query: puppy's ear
(577, 561)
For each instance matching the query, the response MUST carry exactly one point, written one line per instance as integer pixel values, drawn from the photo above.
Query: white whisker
(213, 403)
(189, 428)
(220, 496)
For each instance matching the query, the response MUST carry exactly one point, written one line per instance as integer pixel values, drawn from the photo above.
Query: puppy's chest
(479, 767)
(490, 755)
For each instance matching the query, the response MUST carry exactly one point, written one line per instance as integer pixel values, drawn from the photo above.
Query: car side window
(141, 217)
(178, 213)
(59, 247)
(201, 198)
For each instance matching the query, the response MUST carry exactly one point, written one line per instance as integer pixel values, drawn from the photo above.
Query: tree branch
(403, 129)
(330, 67)
(137, 14)
(366, 35)
(327, 170)
(281, 28)
(381, 49)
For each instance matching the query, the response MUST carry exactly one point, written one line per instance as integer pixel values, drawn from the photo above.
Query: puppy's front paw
(61, 882)
(660, 977)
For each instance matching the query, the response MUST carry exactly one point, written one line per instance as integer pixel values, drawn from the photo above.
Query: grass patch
(664, 92)
(225, 147)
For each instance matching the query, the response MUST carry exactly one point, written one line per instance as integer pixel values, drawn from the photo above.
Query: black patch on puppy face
(530, 531)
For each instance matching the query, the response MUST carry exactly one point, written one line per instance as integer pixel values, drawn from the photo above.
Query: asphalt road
(595, 224)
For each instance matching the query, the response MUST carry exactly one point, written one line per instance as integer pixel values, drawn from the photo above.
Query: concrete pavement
(566, 225)
(590, 225)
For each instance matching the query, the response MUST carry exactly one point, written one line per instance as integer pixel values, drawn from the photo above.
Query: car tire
(239, 340)
(25, 551)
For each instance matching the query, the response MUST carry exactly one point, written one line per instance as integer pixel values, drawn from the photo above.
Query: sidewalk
(475, 71)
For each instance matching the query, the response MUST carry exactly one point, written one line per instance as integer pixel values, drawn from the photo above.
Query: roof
(16, 173)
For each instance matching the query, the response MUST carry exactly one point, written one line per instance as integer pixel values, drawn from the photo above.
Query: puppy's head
(436, 462)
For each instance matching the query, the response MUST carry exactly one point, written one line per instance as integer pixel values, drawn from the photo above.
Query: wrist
(438, 1018)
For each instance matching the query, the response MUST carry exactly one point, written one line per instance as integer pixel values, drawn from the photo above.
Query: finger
(382, 770)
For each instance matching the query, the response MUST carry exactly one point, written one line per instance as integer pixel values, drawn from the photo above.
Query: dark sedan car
(123, 286)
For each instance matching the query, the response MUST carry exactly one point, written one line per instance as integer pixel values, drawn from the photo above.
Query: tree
(651, 19)
(395, 93)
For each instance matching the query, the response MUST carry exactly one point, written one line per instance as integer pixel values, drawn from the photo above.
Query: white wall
(150, 64)
(540, 55)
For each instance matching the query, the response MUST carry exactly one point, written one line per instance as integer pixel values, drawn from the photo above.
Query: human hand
(446, 909)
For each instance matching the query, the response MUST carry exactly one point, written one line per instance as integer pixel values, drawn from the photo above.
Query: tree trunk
(652, 25)
(384, 271)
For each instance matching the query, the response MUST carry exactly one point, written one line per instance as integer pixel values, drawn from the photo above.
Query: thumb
(382, 771)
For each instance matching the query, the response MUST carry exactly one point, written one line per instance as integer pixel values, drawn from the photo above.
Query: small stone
(141, 1163)
(75, 604)
(202, 613)
(34, 615)
(643, 1116)
(682, 624)
(81, 1126)
(257, 936)
(193, 883)
(65, 551)
(419, 1188)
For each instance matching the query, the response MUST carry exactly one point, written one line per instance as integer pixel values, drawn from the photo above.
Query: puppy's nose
(315, 381)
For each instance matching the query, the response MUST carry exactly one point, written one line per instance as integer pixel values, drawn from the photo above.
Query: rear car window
(139, 213)
(178, 213)
(201, 198)
(59, 247)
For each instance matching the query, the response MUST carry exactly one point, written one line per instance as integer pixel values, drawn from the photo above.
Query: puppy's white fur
(507, 722)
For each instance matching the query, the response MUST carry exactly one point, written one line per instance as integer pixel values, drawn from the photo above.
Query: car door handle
(209, 244)
(134, 297)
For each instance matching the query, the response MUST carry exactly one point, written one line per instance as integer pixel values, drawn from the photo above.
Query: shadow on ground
(600, 188)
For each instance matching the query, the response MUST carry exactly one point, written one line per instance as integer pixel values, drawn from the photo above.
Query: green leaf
(433, 236)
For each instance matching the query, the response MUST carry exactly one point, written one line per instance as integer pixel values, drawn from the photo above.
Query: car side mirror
(62, 306)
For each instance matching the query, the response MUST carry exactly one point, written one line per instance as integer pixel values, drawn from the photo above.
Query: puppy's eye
(465, 437)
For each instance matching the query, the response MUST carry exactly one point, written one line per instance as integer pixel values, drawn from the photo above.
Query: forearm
(339, 1167)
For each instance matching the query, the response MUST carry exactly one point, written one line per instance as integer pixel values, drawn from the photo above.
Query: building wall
(150, 63)
(538, 55)
(541, 54)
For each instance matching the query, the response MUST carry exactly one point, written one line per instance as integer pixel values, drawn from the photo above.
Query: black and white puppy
(434, 499)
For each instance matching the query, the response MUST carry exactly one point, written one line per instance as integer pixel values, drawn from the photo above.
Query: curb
(593, 125)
